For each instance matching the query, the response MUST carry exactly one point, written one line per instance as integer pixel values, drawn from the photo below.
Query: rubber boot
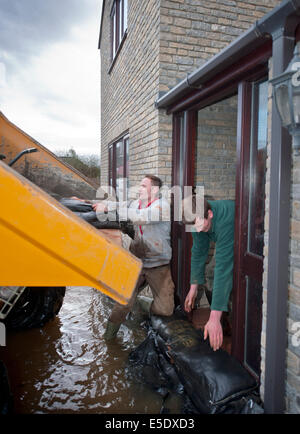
(145, 303)
(111, 330)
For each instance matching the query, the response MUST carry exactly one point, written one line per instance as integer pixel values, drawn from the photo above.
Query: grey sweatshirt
(152, 224)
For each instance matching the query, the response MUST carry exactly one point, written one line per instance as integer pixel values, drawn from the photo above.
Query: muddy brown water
(67, 367)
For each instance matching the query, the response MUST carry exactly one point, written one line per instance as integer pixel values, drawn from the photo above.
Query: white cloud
(55, 95)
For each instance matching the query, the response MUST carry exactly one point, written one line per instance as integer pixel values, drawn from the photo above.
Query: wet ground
(67, 367)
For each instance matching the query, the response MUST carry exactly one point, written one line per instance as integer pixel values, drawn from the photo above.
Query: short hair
(155, 180)
(190, 202)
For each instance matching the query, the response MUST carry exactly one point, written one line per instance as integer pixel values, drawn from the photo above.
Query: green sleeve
(199, 255)
(223, 272)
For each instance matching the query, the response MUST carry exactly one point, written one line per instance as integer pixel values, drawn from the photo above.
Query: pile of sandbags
(175, 358)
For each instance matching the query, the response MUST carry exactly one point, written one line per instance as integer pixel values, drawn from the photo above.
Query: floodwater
(67, 367)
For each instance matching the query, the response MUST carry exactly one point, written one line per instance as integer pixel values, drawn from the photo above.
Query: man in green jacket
(217, 225)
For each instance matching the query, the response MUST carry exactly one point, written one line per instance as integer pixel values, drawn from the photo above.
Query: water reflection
(67, 367)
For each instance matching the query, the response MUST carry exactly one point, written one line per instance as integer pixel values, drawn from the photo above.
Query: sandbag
(76, 205)
(89, 216)
(85, 212)
(147, 365)
(211, 379)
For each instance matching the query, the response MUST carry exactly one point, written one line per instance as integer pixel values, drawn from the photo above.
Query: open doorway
(222, 146)
(215, 170)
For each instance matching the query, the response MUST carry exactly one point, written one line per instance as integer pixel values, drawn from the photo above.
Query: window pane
(110, 166)
(125, 9)
(120, 15)
(126, 166)
(258, 156)
(119, 159)
(120, 170)
(126, 145)
(113, 32)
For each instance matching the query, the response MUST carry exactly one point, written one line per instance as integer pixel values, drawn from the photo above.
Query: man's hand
(100, 207)
(190, 298)
(213, 329)
(77, 198)
(81, 200)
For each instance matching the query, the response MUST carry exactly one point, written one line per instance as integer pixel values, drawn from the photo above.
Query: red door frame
(246, 263)
(254, 67)
(182, 151)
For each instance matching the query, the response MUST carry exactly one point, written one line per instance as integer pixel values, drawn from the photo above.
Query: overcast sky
(50, 71)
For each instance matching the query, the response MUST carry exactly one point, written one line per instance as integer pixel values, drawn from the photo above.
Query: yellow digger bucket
(45, 244)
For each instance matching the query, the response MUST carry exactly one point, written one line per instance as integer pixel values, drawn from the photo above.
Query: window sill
(117, 53)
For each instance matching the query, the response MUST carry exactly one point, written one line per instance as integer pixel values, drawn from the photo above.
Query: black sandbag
(147, 365)
(106, 225)
(76, 205)
(246, 405)
(89, 216)
(211, 379)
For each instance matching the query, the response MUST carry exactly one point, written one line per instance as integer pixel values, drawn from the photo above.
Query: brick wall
(192, 31)
(216, 149)
(166, 40)
(129, 90)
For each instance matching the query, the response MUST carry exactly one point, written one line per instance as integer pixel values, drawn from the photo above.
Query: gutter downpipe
(283, 40)
(229, 54)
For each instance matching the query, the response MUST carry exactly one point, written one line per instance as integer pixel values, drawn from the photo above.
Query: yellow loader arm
(42, 243)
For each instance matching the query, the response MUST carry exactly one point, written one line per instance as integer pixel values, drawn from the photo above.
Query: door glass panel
(181, 150)
(179, 260)
(181, 228)
(110, 165)
(126, 174)
(119, 159)
(253, 324)
(120, 170)
(258, 156)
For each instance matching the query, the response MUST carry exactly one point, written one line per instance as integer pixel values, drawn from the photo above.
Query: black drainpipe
(283, 35)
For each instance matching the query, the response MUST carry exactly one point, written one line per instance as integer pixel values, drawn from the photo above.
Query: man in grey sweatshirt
(150, 215)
